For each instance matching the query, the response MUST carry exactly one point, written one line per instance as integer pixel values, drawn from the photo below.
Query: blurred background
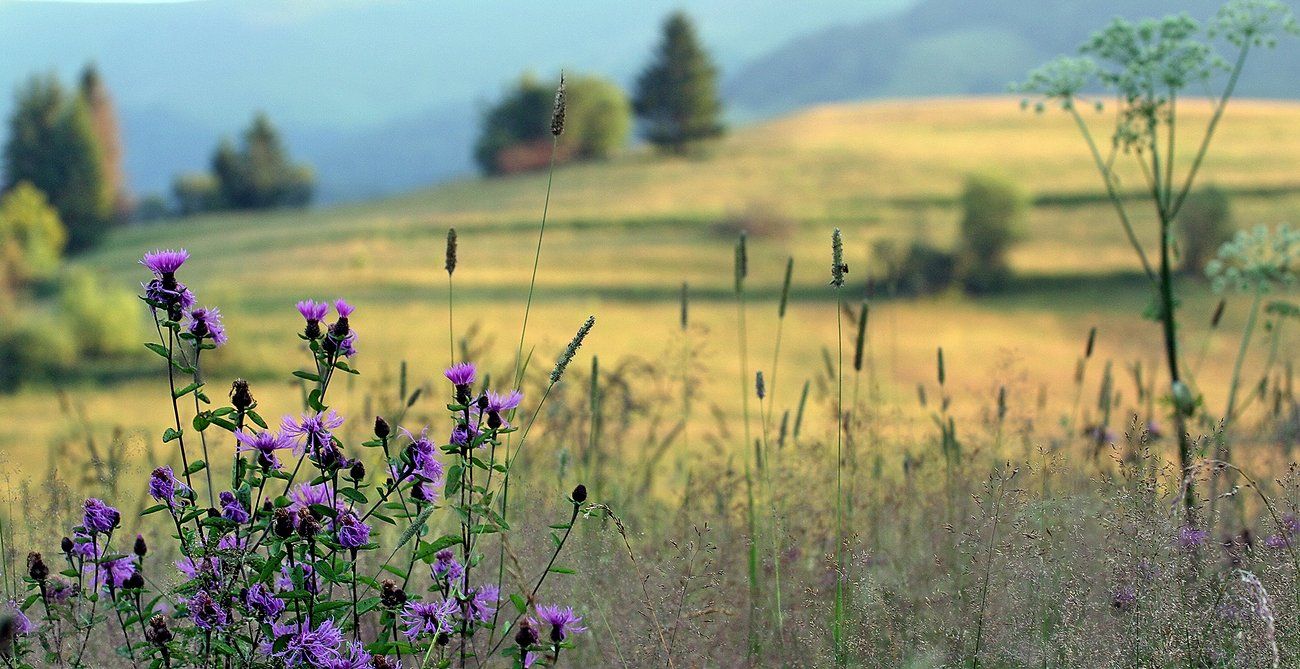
(321, 149)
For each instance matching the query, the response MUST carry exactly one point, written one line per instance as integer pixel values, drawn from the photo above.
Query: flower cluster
(279, 554)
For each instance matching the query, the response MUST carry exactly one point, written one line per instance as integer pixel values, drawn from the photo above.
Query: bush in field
(103, 320)
(993, 212)
(33, 347)
(260, 174)
(32, 237)
(516, 134)
(917, 268)
(1204, 224)
(196, 193)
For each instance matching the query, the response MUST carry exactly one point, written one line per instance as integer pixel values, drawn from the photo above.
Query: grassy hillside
(624, 235)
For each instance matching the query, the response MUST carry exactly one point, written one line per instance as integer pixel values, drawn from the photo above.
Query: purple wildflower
(22, 624)
(306, 647)
(348, 345)
(84, 545)
(506, 402)
(1276, 542)
(232, 509)
(59, 590)
(112, 573)
(484, 603)
(423, 452)
(316, 431)
(423, 492)
(207, 566)
(463, 435)
(99, 517)
(285, 580)
(1124, 598)
(261, 600)
(156, 291)
(232, 542)
(162, 485)
(205, 323)
(428, 617)
(343, 308)
(352, 533)
(206, 612)
(265, 444)
(356, 657)
(1189, 538)
(166, 262)
(313, 311)
(304, 495)
(563, 621)
(461, 374)
(445, 566)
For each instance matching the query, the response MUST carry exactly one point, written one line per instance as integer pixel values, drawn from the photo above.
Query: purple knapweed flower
(265, 444)
(352, 533)
(1189, 538)
(162, 485)
(313, 311)
(84, 545)
(98, 516)
(461, 374)
(304, 495)
(205, 323)
(111, 573)
(206, 613)
(422, 618)
(1276, 541)
(505, 402)
(464, 434)
(22, 624)
(232, 509)
(166, 262)
(59, 591)
(423, 456)
(1124, 597)
(422, 491)
(343, 309)
(263, 602)
(483, 604)
(305, 647)
(355, 657)
(563, 621)
(316, 431)
(193, 569)
(284, 581)
(232, 542)
(445, 566)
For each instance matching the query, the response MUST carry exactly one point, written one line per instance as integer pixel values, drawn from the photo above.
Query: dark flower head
(390, 595)
(99, 517)
(352, 533)
(579, 494)
(140, 548)
(36, 567)
(282, 523)
(461, 374)
(265, 444)
(563, 621)
(526, 636)
(165, 262)
(205, 323)
(428, 618)
(232, 509)
(308, 526)
(157, 632)
(382, 429)
(263, 602)
(240, 396)
(162, 485)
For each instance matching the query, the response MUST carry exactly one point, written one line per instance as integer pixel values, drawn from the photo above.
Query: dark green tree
(52, 145)
(104, 122)
(522, 117)
(677, 94)
(260, 175)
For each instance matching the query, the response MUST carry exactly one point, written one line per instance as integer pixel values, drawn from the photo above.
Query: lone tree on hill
(103, 118)
(677, 94)
(260, 175)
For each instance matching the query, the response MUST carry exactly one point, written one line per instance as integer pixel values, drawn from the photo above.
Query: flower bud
(240, 396)
(157, 632)
(526, 637)
(282, 523)
(357, 472)
(134, 582)
(580, 494)
(390, 595)
(36, 567)
(66, 544)
(308, 526)
(382, 430)
(140, 549)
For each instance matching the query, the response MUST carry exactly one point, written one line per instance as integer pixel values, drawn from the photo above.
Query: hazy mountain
(953, 47)
(378, 95)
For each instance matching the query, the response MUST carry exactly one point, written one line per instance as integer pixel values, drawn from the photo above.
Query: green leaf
(187, 390)
(354, 495)
(256, 418)
(171, 434)
(201, 422)
(561, 570)
(158, 348)
(307, 375)
(195, 467)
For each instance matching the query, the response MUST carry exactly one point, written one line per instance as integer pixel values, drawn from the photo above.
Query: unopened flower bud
(358, 471)
(140, 549)
(282, 523)
(526, 637)
(66, 545)
(390, 595)
(157, 632)
(240, 396)
(134, 582)
(382, 430)
(580, 494)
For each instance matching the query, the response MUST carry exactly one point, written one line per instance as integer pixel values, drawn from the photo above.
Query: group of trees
(676, 103)
(66, 145)
(258, 174)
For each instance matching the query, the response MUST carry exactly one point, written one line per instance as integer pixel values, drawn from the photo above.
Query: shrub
(1204, 224)
(101, 320)
(917, 269)
(33, 347)
(32, 237)
(196, 193)
(993, 212)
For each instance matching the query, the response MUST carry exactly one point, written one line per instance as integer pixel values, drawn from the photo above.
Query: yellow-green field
(623, 235)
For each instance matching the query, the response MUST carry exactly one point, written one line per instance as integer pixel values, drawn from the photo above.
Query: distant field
(624, 235)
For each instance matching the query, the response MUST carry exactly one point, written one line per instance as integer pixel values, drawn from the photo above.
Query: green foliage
(260, 174)
(52, 144)
(31, 236)
(516, 131)
(103, 120)
(33, 347)
(197, 192)
(919, 268)
(993, 213)
(1204, 224)
(677, 94)
(102, 320)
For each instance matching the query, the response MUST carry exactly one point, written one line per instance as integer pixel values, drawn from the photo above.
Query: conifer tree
(677, 94)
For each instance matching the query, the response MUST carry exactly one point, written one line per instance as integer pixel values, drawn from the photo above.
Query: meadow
(1013, 542)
